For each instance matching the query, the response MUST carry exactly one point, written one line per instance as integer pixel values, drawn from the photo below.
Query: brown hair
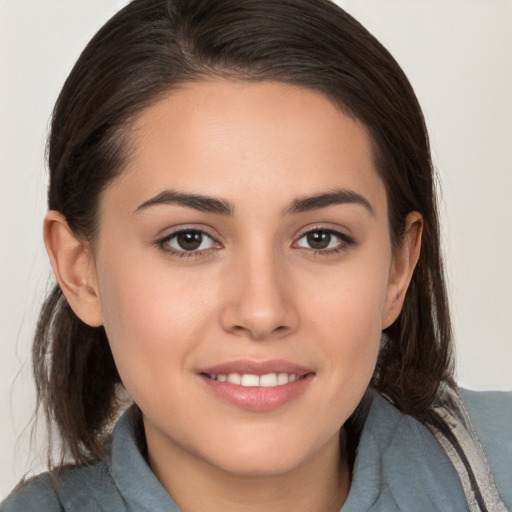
(153, 46)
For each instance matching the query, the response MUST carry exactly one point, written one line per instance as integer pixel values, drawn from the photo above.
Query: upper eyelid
(345, 241)
(186, 229)
(163, 243)
(345, 237)
(339, 232)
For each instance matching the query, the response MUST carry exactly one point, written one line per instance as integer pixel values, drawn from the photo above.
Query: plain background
(458, 56)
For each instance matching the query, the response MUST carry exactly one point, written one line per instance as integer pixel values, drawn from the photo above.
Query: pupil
(190, 240)
(319, 239)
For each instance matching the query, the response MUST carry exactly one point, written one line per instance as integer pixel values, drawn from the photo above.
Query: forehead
(228, 138)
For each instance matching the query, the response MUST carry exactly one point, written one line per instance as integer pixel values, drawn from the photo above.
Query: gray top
(400, 466)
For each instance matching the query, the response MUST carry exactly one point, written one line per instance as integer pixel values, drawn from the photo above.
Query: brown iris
(189, 240)
(318, 239)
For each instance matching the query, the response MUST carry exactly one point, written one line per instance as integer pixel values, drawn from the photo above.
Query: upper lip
(248, 366)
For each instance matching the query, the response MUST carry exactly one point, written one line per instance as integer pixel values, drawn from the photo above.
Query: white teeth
(268, 380)
(249, 380)
(235, 378)
(282, 378)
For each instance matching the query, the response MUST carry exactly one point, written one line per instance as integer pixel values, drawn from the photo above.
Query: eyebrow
(195, 201)
(222, 207)
(335, 197)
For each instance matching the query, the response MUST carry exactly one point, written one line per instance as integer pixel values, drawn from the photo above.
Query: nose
(258, 300)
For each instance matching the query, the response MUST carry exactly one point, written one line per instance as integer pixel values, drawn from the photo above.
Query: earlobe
(402, 267)
(73, 265)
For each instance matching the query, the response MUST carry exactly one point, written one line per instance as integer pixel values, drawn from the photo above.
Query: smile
(250, 380)
(257, 385)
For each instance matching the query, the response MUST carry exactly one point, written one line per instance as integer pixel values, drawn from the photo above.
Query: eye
(323, 240)
(187, 241)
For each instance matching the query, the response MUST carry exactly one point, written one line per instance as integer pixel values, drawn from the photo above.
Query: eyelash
(345, 241)
(163, 243)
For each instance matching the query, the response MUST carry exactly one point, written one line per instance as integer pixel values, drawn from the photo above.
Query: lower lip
(258, 398)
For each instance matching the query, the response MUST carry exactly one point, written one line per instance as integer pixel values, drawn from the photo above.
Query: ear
(73, 265)
(402, 267)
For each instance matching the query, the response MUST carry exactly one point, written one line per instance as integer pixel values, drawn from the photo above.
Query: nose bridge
(261, 305)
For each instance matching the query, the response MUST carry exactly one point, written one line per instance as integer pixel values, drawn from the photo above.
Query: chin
(263, 457)
(264, 465)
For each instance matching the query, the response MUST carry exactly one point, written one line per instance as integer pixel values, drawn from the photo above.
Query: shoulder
(35, 495)
(491, 415)
(400, 465)
(74, 489)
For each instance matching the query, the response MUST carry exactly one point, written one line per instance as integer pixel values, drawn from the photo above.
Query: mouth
(251, 380)
(257, 385)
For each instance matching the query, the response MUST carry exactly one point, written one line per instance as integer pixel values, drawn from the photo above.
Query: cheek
(153, 322)
(350, 299)
(346, 312)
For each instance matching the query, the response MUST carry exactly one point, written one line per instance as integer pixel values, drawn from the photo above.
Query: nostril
(258, 333)
(258, 319)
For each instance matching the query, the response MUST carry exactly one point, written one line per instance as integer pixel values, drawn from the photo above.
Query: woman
(243, 228)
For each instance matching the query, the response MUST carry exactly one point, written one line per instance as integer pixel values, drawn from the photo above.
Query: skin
(255, 290)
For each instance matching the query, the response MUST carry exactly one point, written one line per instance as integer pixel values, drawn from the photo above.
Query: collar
(399, 466)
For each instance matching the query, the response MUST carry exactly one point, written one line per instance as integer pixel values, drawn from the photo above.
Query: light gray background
(458, 56)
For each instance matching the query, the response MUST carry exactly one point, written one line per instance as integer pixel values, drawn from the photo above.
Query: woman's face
(245, 273)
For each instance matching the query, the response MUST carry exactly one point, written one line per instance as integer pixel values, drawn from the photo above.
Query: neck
(319, 483)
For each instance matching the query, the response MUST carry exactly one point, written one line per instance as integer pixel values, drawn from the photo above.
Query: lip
(257, 398)
(257, 367)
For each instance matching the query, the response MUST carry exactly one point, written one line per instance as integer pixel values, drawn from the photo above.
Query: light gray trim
(466, 453)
